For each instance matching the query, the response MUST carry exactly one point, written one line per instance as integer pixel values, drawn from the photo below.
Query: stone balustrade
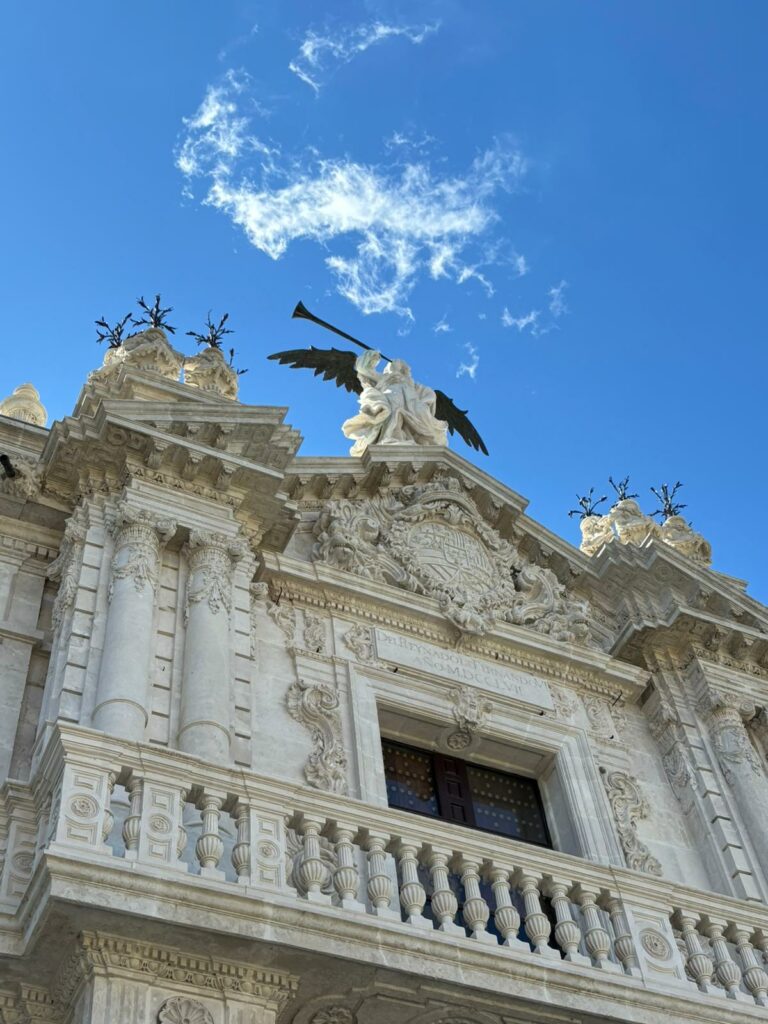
(127, 806)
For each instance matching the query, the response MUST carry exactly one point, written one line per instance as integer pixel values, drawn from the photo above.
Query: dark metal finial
(114, 335)
(154, 315)
(214, 332)
(587, 505)
(669, 507)
(9, 471)
(622, 489)
(232, 363)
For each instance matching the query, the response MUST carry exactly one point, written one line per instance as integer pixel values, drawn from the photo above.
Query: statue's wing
(333, 363)
(457, 420)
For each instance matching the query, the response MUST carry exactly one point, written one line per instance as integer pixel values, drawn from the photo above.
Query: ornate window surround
(571, 788)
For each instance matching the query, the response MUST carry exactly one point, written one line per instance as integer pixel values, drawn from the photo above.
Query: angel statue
(394, 408)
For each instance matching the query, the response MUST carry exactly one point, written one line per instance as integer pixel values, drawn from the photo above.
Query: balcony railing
(263, 839)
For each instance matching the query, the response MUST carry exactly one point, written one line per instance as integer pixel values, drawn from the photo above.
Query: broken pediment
(430, 539)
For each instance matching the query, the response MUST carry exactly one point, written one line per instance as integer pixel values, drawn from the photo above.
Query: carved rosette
(139, 535)
(431, 539)
(629, 806)
(211, 559)
(316, 706)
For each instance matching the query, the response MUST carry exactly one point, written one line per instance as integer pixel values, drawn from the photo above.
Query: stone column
(123, 692)
(206, 700)
(739, 762)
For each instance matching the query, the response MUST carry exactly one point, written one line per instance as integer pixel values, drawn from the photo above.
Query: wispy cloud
(470, 368)
(557, 306)
(387, 225)
(442, 326)
(521, 322)
(321, 52)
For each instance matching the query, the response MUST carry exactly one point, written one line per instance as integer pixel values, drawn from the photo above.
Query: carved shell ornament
(180, 1010)
(431, 539)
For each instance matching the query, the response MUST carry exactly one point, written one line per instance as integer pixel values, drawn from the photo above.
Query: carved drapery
(431, 539)
(122, 700)
(316, 706)
(66, 566)
(629, 806)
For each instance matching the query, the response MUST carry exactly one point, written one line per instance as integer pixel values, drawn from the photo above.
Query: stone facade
(204, 637)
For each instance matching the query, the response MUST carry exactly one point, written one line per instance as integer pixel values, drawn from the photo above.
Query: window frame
(433, 755)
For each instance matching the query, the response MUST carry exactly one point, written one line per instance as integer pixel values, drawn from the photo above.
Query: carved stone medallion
(431, 539)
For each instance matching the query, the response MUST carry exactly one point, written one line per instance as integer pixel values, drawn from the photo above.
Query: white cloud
(442, 327)
(386, 225)
(320, 53)
(521, 322)
(470, 368)
(557, 306)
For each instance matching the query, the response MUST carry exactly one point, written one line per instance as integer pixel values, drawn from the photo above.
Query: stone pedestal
(205, 694)
(122, 700)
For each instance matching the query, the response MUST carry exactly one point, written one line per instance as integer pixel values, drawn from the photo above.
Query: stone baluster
(623, 945)
(754, 977)
(475, 911)
(313, 874)
(108, 818)
(132, 823)
(413, 895)
(506, 917)
(205, 724)
(760, 940)
(698, 964)
(346, 877)
(379, 881)
(596, 938)
(444, 903)
(537, 926)
(567, 932)
(241, 853)
(726, 970)
(209, 848)
(125, 679)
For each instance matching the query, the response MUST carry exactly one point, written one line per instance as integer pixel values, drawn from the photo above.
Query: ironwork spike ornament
(154, 315)
(111, 333)
(622, 489)
(358, 374)
(588, 505)
(214, 333)
(669, 507)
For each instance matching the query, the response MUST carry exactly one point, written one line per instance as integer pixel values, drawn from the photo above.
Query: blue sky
(566, 199)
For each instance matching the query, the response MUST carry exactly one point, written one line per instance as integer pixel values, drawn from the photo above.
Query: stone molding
(28, 1004)
(431, 539)
(103, 955)
(629, 806)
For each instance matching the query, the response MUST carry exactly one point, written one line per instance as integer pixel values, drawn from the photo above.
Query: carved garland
(629, 806)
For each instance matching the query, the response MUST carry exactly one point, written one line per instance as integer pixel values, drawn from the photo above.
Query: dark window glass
(410, 780)
(452, 789)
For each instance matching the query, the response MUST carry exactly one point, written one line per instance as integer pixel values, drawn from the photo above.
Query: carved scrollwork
(470, 712)
(431, 539)
(359, 639)
(316, 706)
(629, 806)
(314, 633)
(66, 566)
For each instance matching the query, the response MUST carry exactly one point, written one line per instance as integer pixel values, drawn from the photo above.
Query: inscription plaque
(460, 668)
